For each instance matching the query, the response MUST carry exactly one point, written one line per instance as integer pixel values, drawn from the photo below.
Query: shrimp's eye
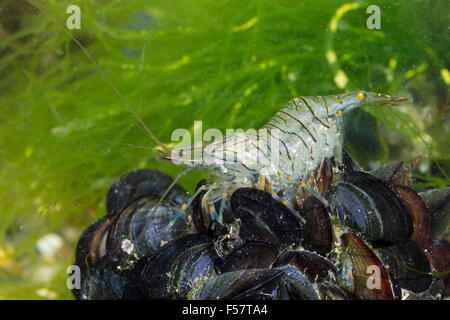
(361, 96)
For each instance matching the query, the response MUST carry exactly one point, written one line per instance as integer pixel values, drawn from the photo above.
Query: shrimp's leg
(184, 207)
(222, 207)
(291, 208)
(174, 182)
(314, 193)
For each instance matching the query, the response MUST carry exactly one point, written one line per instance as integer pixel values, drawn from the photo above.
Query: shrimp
(286, 150)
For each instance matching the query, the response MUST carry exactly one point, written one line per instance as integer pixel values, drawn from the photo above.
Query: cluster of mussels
(366, 236)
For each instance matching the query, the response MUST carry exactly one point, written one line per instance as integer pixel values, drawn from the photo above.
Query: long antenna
(147, 130)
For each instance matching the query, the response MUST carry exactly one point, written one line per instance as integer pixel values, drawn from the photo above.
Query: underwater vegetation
(65, 137)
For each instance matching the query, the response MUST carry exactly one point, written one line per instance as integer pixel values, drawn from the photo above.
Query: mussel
(351, 235)
(361, 273)
(173, 270)
(314, 266)
(419, 212)
(249, 255)
(407, 262)
(397, 172)
(90, 257)
(438, 204)
(99, 282)
(257, 284)
(317, 229)
(438, 254)
(142, 228)
(366, 204)
(91, 246)
(264, 219)
(139, 183)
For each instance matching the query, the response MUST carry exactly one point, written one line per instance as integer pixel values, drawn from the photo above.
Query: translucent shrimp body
(288, 148)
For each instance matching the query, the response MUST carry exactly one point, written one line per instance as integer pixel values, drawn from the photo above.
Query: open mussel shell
(173, 270)
(419, 211)
(99, 282)
(264, 219)
(361, 273)
(365, 204)
(317, 229)
(314, 266)
(438, 203)
(249, 255)
(323, 176)
(90, 257)
(438, 254)
(91, 246)
(139, 183)
(257, 284)
(141, 229)
(390, 173)
(397, 172)
(407, 262)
